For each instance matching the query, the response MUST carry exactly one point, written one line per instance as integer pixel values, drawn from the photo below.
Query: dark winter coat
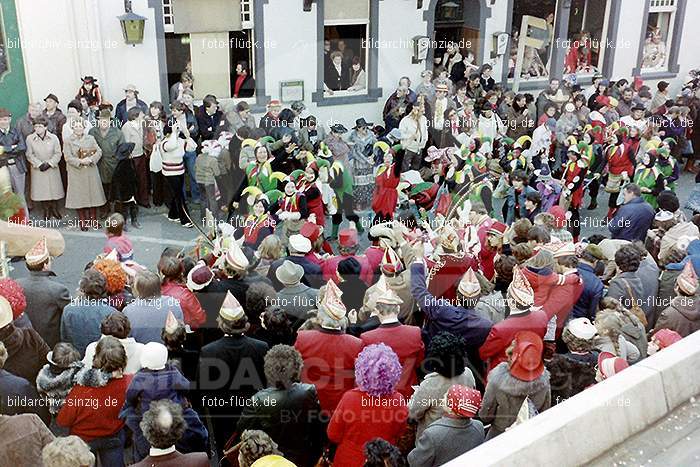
(587, 304)
(667, 290)
(55, 387)
(121, 112)
(682, 316)
(446, 439)
(152, 385)
(292, 421)
(26, 351)
(504, 395)
(632, 220)
(124, 178)
(14, 389)
(571, 374)
(46, 299)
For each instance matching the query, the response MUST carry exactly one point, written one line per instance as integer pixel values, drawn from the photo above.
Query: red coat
(619, 161)
(191, 309)
(329, 363)
(574, 176)
(385, 195)
(493, 350)
(374, 255)
(554, 292)
(406, 341)
(93, 412)
(314, 201)
(361, 418)
(445, 281)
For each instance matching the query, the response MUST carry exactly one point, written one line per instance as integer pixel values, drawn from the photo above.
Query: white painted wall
(86, 39)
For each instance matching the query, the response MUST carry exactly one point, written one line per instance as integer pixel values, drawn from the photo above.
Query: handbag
(635, 308)
(155, 162)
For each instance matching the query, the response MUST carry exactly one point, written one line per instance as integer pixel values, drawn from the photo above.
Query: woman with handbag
(85, 193)
(172, 151)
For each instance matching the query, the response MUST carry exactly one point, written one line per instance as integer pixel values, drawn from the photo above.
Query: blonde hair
(69, 451)
(271, 248)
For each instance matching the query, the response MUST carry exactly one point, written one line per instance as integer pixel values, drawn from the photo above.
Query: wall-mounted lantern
(132, 25)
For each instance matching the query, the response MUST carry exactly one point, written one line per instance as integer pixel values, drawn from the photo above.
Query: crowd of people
(467, 302)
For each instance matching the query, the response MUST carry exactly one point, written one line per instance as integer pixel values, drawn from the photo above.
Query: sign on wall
(206, 16)
(291, 91)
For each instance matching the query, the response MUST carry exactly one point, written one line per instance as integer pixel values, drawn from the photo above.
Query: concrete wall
(66, 39)
(580, 429)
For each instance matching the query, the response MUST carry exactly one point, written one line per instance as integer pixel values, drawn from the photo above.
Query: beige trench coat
(46, 185)
(84, 184)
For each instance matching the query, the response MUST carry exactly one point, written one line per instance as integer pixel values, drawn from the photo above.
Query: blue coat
(441, 315)
(13, 390)
(510, 200)
(587, 304)
(121, 111)
(632, 220)
(147, 317)
(81, 320)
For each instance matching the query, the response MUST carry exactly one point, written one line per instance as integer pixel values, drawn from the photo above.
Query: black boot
(134, 212)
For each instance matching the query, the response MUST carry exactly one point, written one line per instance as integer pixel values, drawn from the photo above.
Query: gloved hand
(44, 166)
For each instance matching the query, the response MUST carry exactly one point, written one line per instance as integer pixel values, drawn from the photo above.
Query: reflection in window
(659, 33)
(585, 36)
(535, 60)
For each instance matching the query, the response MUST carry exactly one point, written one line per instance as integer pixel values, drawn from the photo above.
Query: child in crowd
(117, 239)
(57, 378)
(206, 170)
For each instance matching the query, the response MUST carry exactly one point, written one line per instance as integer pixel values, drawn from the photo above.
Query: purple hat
(377, 370)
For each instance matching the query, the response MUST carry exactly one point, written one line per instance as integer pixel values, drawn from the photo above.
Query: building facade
(288, 46)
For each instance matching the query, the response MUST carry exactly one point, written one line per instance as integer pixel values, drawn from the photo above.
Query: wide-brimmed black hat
(338, 128)
(361, 123)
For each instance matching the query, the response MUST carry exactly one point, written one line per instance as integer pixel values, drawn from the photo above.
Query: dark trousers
(142, 170)
(161, 194)
(130, 206)
(109, 450)
(177, 205)
(593, 189)
(346, 207)
(207, 195)
(411, 161)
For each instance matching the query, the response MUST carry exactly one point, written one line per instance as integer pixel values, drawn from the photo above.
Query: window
(659, 35)
(168, 18)
(345, 60)
(536, 59)
(585, 37)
